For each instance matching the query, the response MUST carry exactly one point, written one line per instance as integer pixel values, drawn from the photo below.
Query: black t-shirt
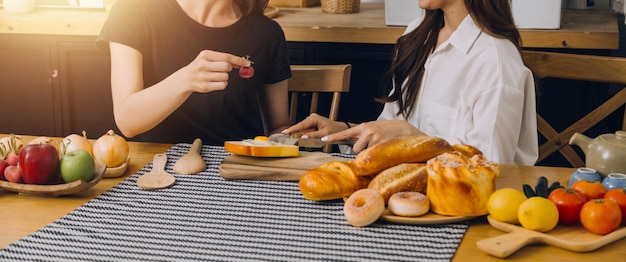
(168, 39)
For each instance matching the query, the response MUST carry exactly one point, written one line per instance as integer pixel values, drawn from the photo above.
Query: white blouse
(477, 91)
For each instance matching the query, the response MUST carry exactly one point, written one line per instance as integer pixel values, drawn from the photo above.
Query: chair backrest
(316, 79)
(603, 69)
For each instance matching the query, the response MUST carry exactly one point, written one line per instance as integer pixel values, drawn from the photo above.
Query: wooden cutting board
(573, 238)
(273, 168)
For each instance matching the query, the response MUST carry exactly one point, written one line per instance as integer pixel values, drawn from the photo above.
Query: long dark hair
(412, 49)
(249, 7)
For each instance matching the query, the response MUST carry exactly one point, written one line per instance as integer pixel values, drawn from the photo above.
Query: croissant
(333, 180)
(411, 149)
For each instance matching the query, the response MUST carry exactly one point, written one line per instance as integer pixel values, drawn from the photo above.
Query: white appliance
(402, 12)
(537, 14)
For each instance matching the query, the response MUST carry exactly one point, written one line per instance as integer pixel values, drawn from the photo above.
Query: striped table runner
(205, 217)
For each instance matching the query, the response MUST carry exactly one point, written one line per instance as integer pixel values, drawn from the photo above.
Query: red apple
(39, 163)
(3, 165)
(13, 174)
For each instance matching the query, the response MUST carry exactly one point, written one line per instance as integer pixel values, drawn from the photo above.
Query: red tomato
(600, 216)
(592, 190)
(569, 202)
(618, 195)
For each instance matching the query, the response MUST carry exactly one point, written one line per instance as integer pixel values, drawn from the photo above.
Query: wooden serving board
(573, 238)
(273, 168)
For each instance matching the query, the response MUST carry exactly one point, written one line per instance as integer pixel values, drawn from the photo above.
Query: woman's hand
(316, 126)
(209, 71)
(374, 132)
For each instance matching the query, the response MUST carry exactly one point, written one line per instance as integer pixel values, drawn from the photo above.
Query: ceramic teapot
(606, 153)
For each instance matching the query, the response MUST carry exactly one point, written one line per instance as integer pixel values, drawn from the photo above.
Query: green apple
(77, 164)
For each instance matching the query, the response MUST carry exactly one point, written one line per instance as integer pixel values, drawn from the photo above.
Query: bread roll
(333, 180)
(411, 149)
(459, 185)
(400, 178)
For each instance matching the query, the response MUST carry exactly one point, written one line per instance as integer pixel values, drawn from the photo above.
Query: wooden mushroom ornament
(192, 162)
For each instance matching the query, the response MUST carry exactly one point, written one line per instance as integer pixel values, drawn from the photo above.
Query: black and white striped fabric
(205, 217)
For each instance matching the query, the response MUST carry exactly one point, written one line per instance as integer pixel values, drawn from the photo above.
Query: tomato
(618, 195)
(569, 202)
(592, 190)
(600, 216)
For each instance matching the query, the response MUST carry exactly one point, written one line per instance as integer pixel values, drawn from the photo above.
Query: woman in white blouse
(457, 74)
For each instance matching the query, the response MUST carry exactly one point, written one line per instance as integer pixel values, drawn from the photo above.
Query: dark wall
(369, 64)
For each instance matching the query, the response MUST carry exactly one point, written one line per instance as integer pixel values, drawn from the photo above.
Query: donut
(408, 204)
(364, 207)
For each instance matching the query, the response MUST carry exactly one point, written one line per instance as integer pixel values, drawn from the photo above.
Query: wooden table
(585, 29)
(22, 215)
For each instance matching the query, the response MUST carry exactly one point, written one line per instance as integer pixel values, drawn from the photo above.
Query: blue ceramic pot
(614, 180)
(584, 173)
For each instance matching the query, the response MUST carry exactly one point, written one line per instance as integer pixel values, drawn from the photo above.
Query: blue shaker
(584, 173)
(614, 180)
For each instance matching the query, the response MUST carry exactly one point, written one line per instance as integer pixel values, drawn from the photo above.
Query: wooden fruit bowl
(118, 170)
(55, 190)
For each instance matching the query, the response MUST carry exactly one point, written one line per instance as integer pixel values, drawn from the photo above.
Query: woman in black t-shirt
(174, 70)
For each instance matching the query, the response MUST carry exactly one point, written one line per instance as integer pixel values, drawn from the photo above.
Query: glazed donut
(364, 207)
(408, 204)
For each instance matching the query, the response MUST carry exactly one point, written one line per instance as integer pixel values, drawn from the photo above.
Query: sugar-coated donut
(364, 207)
(408, 204)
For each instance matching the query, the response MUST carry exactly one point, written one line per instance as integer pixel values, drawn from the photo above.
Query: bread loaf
(411, 149)
(459, 185)
(400, 178)
(333, 180)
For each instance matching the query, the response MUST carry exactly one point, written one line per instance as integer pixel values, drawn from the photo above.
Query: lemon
(504, 203)
(538, 214)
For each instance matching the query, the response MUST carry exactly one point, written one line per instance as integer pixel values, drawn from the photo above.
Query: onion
(75, 142)
(111, 149)
(12, 143)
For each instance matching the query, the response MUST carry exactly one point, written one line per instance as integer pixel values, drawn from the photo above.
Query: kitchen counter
(593, 29)
(22, 215)
(584, 29)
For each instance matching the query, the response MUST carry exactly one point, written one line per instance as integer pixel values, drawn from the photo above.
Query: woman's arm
(374, 132)
(138, 109)
(274, 107)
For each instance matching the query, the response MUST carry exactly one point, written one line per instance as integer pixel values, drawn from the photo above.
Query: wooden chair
(592, 68)
(316, 79)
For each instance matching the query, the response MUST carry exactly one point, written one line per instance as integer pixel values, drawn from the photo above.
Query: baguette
(411, 149)
(400, 178)
(333, 180)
